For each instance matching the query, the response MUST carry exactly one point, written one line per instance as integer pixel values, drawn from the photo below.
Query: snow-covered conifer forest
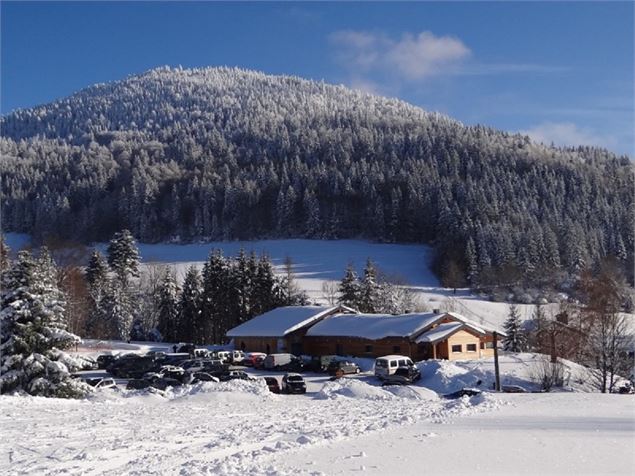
(222, 153)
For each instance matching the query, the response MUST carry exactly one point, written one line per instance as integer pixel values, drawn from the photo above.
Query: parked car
(201, 354)
(259, 362)
(132, 367)
(234, 375)
(224, 356)
(388, 364)
(237, 357)
(470, 392)
(251, 357)
(272, 383)
(342, 367)
(163, 383)
(203, 365)
(137, 384)
(403, 376)
(100, 382)
(105, 360)
(172, 371)
(295, 365)
(513, 389)
(196, 377)
(293, 383)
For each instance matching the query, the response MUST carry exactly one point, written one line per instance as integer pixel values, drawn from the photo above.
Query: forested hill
(227, 153)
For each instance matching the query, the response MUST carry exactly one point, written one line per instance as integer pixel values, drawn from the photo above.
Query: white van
(275, 360)
(387, 364)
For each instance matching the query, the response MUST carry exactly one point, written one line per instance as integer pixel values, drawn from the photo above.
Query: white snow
(441, 332)
(280, 321)
(373, 326)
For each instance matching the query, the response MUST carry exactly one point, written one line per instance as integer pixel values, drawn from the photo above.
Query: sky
(560, 72)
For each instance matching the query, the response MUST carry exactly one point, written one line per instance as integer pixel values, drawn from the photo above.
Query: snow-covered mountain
(222, 153)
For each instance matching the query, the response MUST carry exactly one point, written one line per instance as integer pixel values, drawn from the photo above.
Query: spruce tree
(515, 340)
(189, 321)
(369, 289)
(123, 256)
(215, 299)
(4, 254)
(349, 288)
(168, 307)
(98, 282)
(32, 333)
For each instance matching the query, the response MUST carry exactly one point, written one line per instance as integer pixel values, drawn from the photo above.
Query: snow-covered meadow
(319, 261)
(343, 427)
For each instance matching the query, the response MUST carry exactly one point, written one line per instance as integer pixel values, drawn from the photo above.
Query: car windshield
(381, 363)
(295, 378)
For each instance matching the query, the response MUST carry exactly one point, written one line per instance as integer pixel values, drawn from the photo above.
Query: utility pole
(496, 369)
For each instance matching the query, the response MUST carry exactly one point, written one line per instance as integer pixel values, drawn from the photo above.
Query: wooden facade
(466, 342)
(359, 347)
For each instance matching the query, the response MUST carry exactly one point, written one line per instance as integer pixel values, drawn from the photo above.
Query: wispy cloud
(412, 57)
(568, 134)
(375, 59)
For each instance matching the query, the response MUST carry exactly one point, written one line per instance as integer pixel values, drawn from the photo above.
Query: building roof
(283, 320)
(440, 332)
(373, 326)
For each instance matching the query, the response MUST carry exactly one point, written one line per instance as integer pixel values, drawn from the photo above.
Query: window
(396, 349)
(471, 347)
(482, 345)
(393, 363)
(402, 363)
(369, 349)
(489, 345)
(381, 363)
(457, 348)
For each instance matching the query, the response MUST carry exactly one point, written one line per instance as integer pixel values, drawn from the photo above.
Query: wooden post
(496, 370)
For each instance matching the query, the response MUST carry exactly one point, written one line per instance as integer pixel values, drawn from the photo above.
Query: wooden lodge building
(339, 330)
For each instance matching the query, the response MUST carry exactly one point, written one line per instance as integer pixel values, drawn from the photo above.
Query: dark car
(342, 367)
(105, 360)
(273, 384)
(132, 367)
(295, 365)
(163, 383)
(293, 383)
(196, 377)
(403, 376)
(137, 384)
(234, 375)
(470, 392)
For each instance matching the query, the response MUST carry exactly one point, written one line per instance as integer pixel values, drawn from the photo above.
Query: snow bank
(240, 390)
(354, 388)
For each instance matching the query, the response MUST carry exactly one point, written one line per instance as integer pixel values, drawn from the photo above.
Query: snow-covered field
(317, 261)
(346, 427)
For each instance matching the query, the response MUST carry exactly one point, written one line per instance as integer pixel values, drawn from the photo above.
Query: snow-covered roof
(440, 332)
(283, 320)
(373, 326)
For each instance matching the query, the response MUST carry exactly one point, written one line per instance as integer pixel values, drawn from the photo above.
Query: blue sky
(561, 72)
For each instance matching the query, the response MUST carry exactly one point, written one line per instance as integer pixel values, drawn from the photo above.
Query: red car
(253, 357)
(273, 384)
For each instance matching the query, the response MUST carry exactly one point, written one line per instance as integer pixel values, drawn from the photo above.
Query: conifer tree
(4, 254)
(123, 256)
(168, 307)
(189, 321)
(369, 289)
(32, 333)
(349, 288)
(515, 340)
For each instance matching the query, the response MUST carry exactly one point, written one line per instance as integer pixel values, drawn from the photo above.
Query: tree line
(222, 153)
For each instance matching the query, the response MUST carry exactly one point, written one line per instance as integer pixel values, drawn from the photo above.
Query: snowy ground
(317, 261)
(338, 428)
